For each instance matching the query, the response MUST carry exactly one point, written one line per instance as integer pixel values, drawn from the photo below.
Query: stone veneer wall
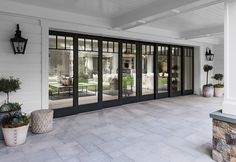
(224, 141)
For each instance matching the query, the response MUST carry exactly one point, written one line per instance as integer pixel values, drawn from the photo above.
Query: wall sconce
(18, 43)
(209, 55)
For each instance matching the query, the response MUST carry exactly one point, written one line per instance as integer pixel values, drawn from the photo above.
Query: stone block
(217, 156)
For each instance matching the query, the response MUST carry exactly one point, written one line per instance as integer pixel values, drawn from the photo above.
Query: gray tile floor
(169, 130)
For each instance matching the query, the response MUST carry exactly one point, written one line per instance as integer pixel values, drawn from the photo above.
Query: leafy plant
(207, 68)
(219, 78)
(9, 107)
(8, 85)
(14, 121)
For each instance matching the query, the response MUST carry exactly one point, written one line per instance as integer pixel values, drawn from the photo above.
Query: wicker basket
(42, 121)
(15, 136)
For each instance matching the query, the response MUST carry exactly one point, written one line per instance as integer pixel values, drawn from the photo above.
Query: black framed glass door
(162, 71)
(188, 66)
(175, 71)
(90, 72)
(147, 71)
(129, 70)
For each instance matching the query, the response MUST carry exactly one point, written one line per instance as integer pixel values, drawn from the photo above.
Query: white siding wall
(219, 58)
(26, 67)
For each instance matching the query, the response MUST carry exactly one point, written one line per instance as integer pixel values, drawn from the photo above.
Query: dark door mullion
(120, 74)
(100, 72)
(138, 70)
(75, 73)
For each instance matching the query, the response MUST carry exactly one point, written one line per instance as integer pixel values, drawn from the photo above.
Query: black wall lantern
(209, 55)
(18, 43)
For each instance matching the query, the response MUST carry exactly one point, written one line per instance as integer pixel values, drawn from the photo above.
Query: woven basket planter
(15, 136)
(42, 121)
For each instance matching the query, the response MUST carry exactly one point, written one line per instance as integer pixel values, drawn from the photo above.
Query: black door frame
(148, 96)
(166, 94)
(171, 92)
(76, 108)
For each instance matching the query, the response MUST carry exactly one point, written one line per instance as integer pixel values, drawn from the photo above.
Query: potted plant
(8, 85)
(219, 87)
(15, 128)
(208, 89)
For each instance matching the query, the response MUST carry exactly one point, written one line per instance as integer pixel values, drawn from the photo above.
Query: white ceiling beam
(159, 10)
(149, 10)
(206, 32)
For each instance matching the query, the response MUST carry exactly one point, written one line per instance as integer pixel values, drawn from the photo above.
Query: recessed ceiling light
(141, 21)
(175, 11)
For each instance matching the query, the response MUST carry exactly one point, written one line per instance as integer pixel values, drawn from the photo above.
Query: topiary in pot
(208, 89)
(15, 128)
(8, 85)
(219, 87)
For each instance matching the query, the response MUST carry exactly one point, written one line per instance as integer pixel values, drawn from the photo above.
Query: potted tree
(208, 89)
(15, 128)
(219, 87)
(8, 85)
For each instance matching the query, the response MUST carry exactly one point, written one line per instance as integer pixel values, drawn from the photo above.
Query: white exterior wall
(219, 58)
(32, 67)
(25, 67)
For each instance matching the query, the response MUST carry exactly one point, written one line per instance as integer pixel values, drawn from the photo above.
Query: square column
(229, 104)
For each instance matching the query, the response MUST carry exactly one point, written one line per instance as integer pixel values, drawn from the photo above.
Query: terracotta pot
(15, 136)
(208, 91)
(219, 92)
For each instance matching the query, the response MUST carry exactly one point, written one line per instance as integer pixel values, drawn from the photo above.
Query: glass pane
(61, 42)
(88, 76)
(110, 75)
(176, 69)
(110, 47)
(52, 41)
(116, 48)
(88, 44)
(129, 48)
(147, 71)
(95, 45)
(81, 44)
(104, 46)
(60, 79)
(162, 69)
(129, 72)
(69, 42)
(188, 64)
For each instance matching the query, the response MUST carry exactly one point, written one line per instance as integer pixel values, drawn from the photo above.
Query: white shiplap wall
(26, 67)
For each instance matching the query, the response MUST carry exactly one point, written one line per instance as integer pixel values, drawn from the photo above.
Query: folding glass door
(60, 76)
(147, 71)
(175, 71)
(162, 71)
(129, 72)
(188, 70)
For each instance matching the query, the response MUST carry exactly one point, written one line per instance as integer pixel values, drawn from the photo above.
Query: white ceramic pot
(208, 91)
(15, 136)
(219, 92)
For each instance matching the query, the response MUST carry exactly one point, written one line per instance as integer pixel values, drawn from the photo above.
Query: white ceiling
(187, 19)
(206, 17)
(98, 8)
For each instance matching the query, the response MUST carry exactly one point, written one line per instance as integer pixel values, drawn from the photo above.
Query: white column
(229, 104)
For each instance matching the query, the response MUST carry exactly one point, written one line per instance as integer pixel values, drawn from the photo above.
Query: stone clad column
(229, 104)
(224, 122)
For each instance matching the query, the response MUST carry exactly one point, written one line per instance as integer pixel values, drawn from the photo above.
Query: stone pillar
(229, 104)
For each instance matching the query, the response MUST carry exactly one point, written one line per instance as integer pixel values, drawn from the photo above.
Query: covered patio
(168, 130)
